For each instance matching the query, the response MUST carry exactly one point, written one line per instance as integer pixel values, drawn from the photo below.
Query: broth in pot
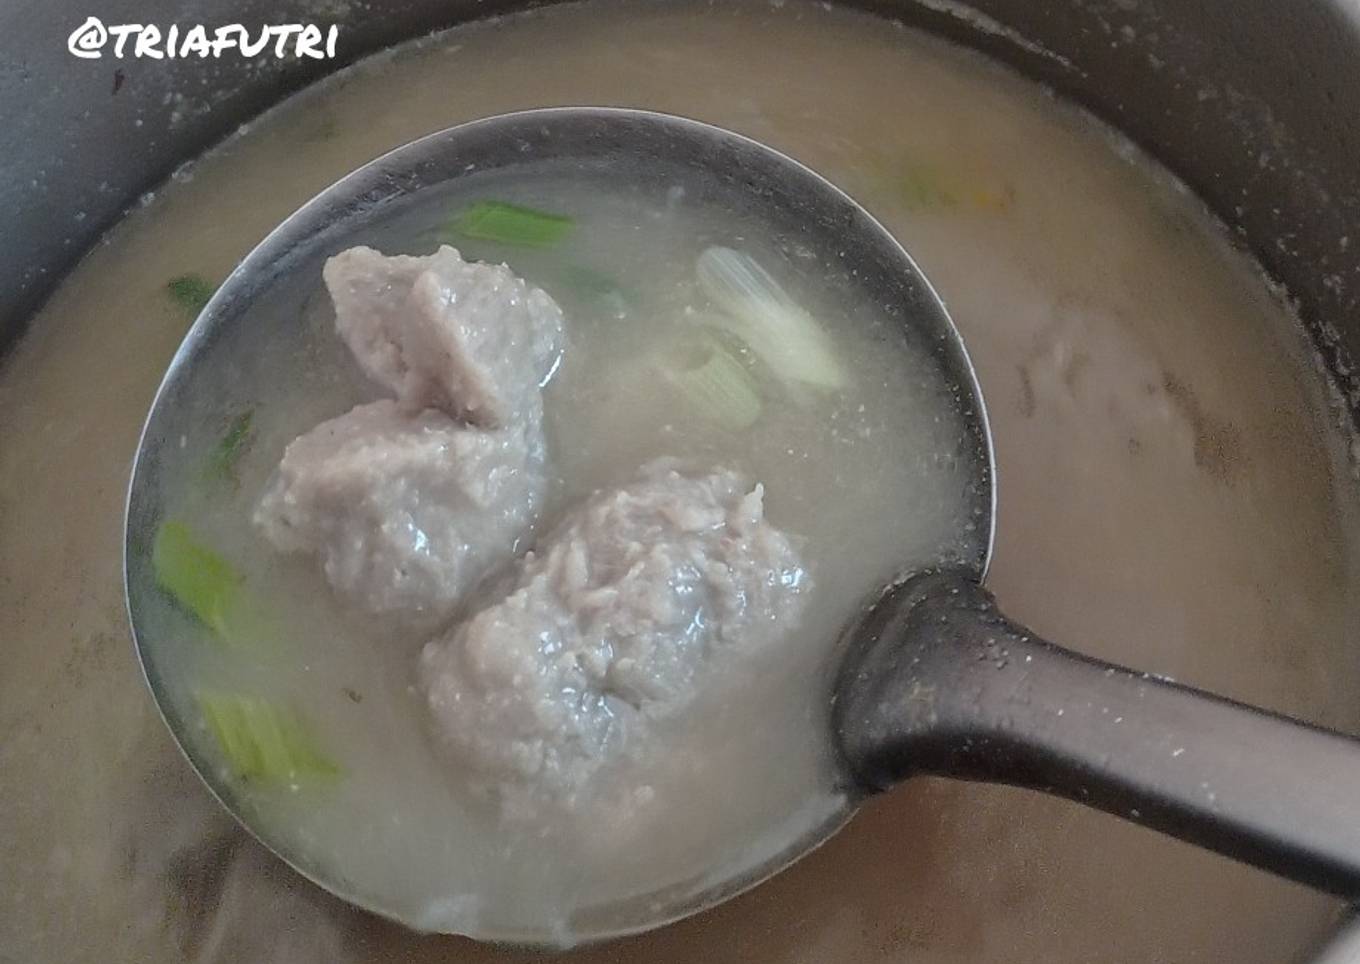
(1170, 467)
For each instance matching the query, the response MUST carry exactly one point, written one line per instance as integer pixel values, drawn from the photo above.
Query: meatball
(608, 627)
(470, 339)
(406, 511)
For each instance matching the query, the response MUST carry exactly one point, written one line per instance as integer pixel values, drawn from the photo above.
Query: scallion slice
(758, 310)
(512, 224)
(261, 742)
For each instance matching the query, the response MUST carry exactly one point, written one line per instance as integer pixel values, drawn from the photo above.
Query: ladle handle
(939, 681)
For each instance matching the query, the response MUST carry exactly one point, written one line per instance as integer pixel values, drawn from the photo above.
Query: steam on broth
(781, 400)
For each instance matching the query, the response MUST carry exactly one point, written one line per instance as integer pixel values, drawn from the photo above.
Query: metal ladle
(934, 679)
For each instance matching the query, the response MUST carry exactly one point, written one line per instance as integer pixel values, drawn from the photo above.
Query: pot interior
(1173, 465)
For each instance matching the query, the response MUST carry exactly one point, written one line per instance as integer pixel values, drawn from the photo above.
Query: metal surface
(938, 681)
(721, 169)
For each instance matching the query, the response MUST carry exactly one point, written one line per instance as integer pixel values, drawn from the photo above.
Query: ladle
(935, 679)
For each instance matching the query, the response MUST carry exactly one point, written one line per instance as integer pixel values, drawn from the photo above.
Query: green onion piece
(760, 312)
(590, 282)
(261, 742)
(222, 461)
(718, 386)
(191, 292)
(199, 579)
(511, 224)
(923, 186)
(602, 291)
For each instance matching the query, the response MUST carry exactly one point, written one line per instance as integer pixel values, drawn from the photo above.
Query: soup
(764, 378)
(1173, 494)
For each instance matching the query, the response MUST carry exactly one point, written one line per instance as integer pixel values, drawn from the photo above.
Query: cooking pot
(1249, 103)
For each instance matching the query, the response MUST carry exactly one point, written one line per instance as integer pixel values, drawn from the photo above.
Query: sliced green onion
(923, 186)
(718, 386)
(760, 312)
(596, 287)
(191, 292)
(588, 281)
(261, 742)
(199, 579)
(239, 435)
(512, 224)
